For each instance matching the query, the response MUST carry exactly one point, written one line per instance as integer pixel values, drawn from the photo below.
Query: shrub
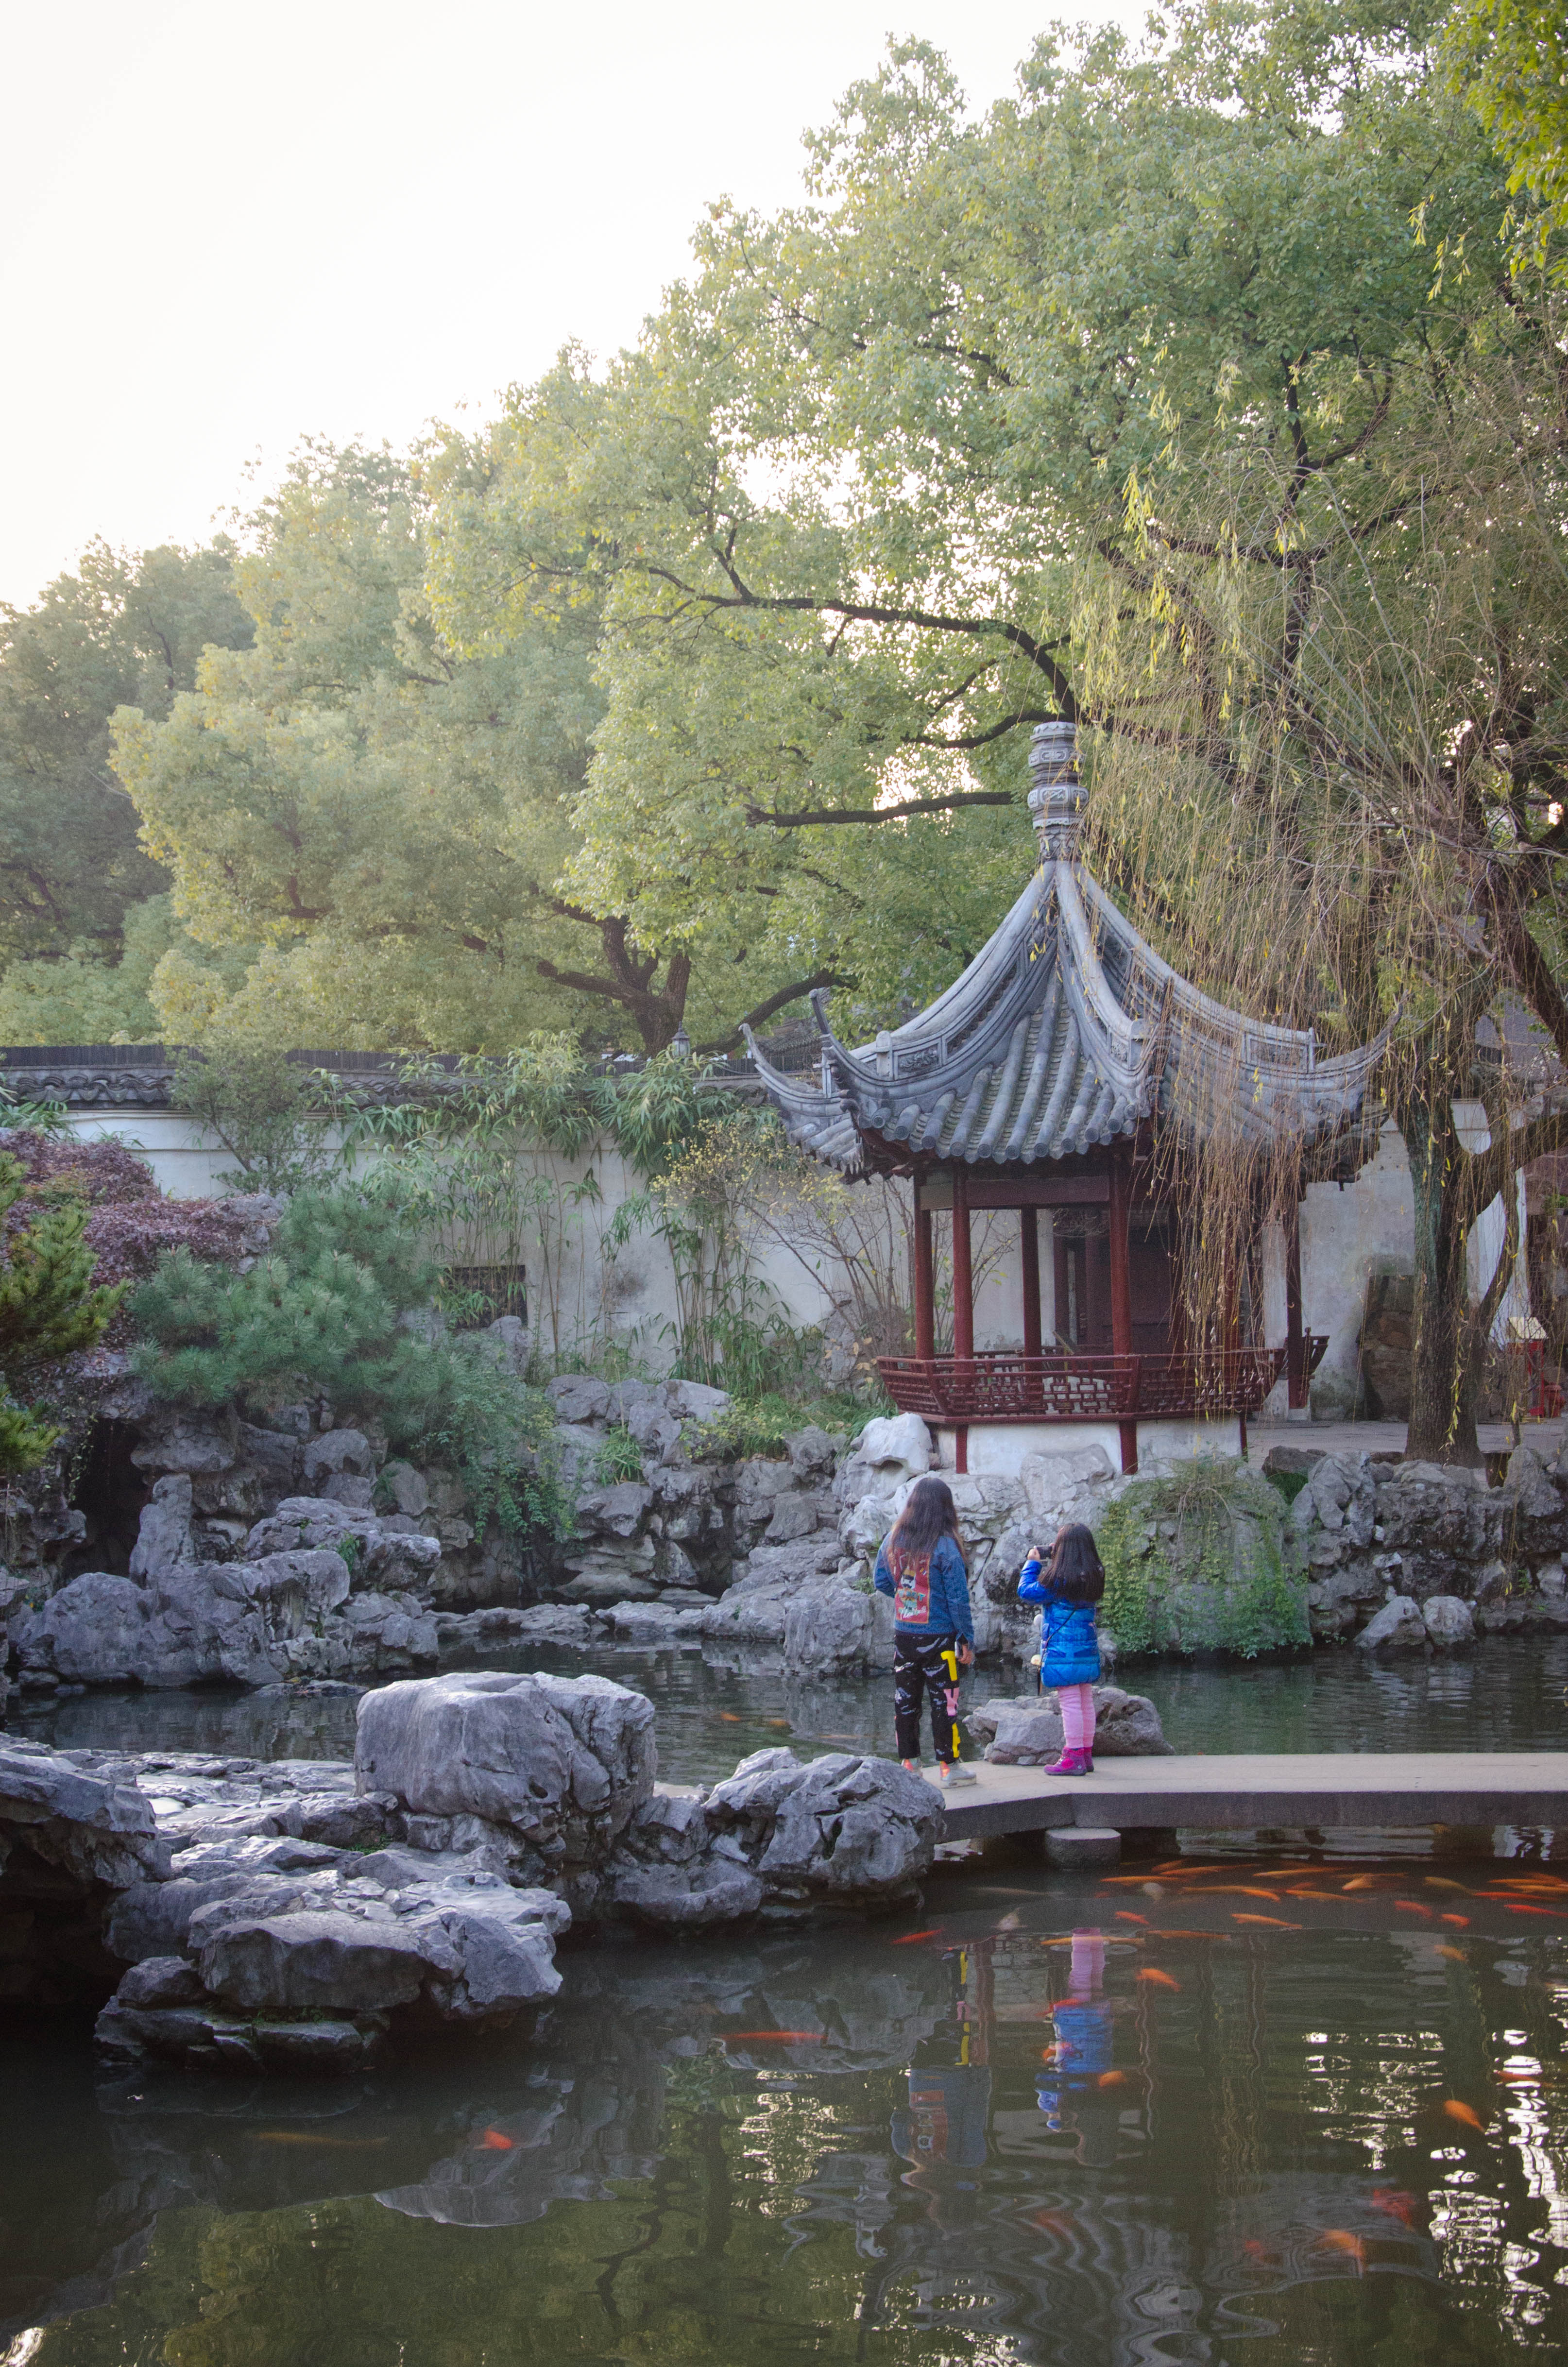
(48, 1305)
(619, 1458)
(323, 1314)
(1194, 1562)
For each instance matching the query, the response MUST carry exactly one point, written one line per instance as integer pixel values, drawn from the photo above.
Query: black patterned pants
(921, 1662)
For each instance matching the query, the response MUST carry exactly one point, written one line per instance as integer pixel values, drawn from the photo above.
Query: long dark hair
(1074, 1571)
(929, 1515)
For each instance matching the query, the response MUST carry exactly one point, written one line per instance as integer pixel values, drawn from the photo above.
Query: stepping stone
(1081, 1847)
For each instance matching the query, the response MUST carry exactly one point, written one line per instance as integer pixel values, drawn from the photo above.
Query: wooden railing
(1002, 1385)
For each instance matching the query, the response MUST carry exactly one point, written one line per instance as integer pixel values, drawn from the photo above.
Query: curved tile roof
(1066, 1031)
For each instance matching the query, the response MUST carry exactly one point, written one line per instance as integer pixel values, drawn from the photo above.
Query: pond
(1300, 2104)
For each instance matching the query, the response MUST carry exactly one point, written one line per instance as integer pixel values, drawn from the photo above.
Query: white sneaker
(956, 1773)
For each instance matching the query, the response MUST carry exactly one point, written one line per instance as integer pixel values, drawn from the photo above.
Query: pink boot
(1073, 1762)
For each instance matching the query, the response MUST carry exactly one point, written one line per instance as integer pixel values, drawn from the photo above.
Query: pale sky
(224, 228)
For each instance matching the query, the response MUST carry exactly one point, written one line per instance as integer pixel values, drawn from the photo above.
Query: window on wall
(473, 1296)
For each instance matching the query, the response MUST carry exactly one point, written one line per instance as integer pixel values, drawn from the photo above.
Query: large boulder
(832, 1626)
(1397, 1627)
(561, 1763)
(844, 1828)
(1027, 1732)
(163, 1542)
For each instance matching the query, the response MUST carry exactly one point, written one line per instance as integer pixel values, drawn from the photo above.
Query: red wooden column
(1122, 1289)
(1295, 1343)
(925, 1281)
(1028, 1242)
(963, 1307)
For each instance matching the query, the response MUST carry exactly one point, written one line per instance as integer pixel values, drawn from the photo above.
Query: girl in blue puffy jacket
(1067, 1590)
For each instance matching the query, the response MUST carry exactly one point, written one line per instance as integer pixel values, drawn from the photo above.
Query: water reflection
(1259, 2114)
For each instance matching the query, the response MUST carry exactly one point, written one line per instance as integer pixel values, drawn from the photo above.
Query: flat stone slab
(1246, 1789)
(1083, 1846)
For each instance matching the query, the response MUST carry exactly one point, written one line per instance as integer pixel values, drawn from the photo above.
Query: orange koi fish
(908, 1939)
(1462, 1920)
(1125, 1914)
(1396, 2203)
(1111, 2079)
(778, 2038)
(1455, 1955)
(1275, 1922)
(1413, 1906)
(309, 2137)
(1465, 2112)
(1161, 1980)
(494, 2142)
(1340, 2239)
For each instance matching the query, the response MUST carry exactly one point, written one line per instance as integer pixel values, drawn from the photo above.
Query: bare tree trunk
(1445, 1376)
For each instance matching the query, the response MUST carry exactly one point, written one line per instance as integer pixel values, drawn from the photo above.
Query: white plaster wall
(1348, 1232)
(996, 1449)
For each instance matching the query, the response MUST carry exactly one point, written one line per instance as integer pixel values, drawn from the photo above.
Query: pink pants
(1077, 1716)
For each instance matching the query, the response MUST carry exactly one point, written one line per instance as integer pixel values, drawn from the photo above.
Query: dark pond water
(1309, 2110)
(1510, 1694)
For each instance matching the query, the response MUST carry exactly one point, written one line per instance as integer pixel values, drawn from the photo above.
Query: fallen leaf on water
(1161, 1980)
(494, 2142)
(1274, 1922)
(1465, 2112)
(1455, 1955)
(1111, 2079)
(1462, 1920)
(309, 2137)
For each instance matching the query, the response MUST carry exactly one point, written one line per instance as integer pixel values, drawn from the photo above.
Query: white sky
(224, 227)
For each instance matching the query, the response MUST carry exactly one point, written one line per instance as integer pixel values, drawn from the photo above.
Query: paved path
(1248, 1789)
(1389, 1437)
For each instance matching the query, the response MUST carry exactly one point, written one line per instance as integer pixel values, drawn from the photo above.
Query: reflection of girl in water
(943, 2131)
(1068, 2091)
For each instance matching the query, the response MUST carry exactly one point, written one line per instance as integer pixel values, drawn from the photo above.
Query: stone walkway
(1242, 1791)
(1388, 1437)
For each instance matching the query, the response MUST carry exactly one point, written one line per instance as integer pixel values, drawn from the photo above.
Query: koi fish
(1441, 1882)
(1396, 2203)
(778, 2038)
(1238, 1890)
(1274, 1922)
(494, 2142)
(1161, 1980)
(1257, 2252)
(1340, 2239)
(730, 1717)
(1517, 1909)
(1125, 1914)
(1465, 2112)
(1413, 1906)
(1455, 1955)
(908, 1939)
(1362, 1882)
(308, 2138)
(1111, 2079)
(1012, 1922)
(1051, 2223)
(1462, 1921)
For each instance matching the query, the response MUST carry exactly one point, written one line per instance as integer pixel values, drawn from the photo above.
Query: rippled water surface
(1511, 1694)
(1306, 2107)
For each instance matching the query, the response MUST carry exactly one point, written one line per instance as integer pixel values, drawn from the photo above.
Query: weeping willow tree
(1331, 778)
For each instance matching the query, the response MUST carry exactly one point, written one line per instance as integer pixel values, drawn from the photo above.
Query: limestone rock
(562, 1762)
(831, 1627)
(1448, 1620)
(164, 1542)
(898, 1444)
(1027, 1732)
(849, 1830)
(1397, 1627)
(92, 1827)
(579, 1397)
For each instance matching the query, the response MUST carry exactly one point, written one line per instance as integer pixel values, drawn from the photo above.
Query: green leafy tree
(1510, 58)
(390, 816)
(271, 1115)
(48, 1305)
(118, 631)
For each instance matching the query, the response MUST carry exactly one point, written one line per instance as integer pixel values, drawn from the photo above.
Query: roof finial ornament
(1056, 797)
